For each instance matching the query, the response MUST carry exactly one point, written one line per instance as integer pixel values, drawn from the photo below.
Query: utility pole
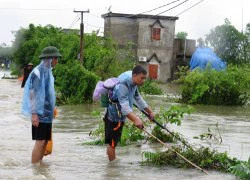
(81, 35)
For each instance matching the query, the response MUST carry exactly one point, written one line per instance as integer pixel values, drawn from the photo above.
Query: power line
(95, 15)
(156, 8)
(129, 16)
(74, 21)
(151, 16)
(190, 7)
(124, 36)
(172, 7)
(159, 13)
(93, 25)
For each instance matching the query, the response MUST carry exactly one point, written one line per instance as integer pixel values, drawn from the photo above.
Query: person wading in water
(39, 101)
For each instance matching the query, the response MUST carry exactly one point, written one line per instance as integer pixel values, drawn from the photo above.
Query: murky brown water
(71, 160)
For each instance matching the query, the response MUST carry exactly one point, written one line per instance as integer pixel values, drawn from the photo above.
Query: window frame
(156, 33)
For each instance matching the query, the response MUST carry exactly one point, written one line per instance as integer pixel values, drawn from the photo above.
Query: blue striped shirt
(126, 93)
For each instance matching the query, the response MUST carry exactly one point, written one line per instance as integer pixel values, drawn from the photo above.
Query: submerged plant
(173, 115)
(210, 136)
(242, 169)
(132, 134)
(204, 157)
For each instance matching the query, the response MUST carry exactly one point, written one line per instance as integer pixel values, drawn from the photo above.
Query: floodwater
(71, 160)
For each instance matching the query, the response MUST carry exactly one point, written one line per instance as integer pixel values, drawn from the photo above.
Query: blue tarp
(203, 56)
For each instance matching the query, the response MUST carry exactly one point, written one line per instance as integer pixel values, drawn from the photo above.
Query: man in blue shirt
(123, 96)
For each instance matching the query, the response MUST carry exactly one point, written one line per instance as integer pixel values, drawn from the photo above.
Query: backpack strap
(116, 102)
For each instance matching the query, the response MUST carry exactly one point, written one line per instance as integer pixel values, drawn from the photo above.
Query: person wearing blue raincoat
(39, 101)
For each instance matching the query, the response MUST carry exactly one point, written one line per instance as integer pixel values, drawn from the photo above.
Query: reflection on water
(71, 160)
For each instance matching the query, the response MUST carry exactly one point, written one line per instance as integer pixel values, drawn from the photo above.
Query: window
(156, 33)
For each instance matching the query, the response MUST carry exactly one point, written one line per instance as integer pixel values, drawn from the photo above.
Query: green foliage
(181, 35)
(150, 87)
(98, 135)
(100, 54)
(74, 83)
(210, 136)
(230, 44)
(241, 169)
(29, 43)
(164, 136)
(204, 158)
(173, 115)
(181, 73)
(132, 134)
(14, 71)
(100, 57)
(213, 87)
(104, 58)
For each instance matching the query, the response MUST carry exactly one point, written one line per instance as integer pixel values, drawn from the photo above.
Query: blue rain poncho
(39, 94)
(204, 56)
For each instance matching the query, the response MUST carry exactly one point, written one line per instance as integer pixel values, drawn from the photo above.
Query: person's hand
(151, 116)
(150, 113)
(35, 120)
(139, 123)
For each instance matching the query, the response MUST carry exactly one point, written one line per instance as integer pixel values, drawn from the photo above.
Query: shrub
(242, 169)
(74, 83)
(150, 87)
(213, 87)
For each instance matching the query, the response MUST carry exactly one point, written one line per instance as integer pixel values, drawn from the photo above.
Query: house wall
(122, 30)
(137, 29)
(181, 47)
(162, 48)
(183, 51)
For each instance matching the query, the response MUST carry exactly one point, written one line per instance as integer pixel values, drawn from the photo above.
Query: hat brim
(50, 55)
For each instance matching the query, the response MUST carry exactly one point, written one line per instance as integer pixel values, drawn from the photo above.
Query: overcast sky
(196, 21)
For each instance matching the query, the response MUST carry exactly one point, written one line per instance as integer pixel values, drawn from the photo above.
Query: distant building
(183, 51)
(153, 37)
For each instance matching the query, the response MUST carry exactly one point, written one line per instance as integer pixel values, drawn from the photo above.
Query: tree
(30, 41)
(181, 35)
(201, 42)
(104, 58)
(5, 51)
(230, 44)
